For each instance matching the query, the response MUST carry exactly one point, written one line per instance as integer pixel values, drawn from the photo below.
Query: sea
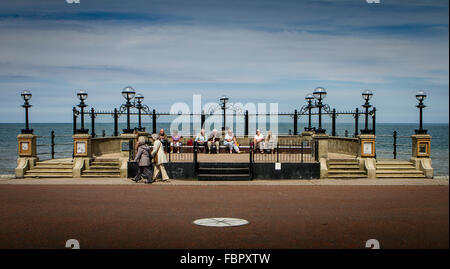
(384, 141)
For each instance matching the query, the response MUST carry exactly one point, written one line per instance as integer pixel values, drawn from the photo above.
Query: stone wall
(105, 145)
(343, 145)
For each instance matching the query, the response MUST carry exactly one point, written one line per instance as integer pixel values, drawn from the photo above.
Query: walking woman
(159, 158)
(143, 160)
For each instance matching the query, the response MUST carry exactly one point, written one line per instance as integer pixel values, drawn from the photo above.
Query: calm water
(439, 143)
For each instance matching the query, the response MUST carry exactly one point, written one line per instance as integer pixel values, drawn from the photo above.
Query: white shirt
(258, 137)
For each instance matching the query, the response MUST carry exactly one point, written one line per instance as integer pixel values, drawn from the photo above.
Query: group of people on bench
(211, 142)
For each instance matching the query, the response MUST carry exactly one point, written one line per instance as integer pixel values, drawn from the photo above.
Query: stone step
(223, 165)
(53, 175)
(400, 176)
(41, 169)
(395, 167)
(399, 172)
(394, 162)
(47, 171)
(223, 170)
(346, 171)
(96, 175)
(223, 177)
(102, 159)
(102, 172)
(100, 167)
(95, 163)
(343, 163)
(56, 165)
(347, 176)
(343, 166)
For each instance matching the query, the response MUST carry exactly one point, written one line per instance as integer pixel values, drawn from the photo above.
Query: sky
(252, 51)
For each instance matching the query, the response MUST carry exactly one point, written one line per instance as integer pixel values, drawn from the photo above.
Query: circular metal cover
(221, 222)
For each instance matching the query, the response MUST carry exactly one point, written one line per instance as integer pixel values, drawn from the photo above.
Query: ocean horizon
(384, 132)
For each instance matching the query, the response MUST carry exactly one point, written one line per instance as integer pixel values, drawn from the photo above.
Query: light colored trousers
(260, 146)
(215, 143)
(160, 168)
(231, 145)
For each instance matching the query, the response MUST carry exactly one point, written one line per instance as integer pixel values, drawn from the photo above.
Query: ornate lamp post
(366, 95)
(82, 95)
(223, 101)
(320, 93)
(26, 95)
(127, 93)
(139, 99)
(309, 98)
(421, 96)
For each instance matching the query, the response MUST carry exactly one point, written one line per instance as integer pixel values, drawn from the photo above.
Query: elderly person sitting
(201, 139)
(258, 141)
(143, 160)
(175, 144)
(270, 142)
(213, 139)
(230, 142)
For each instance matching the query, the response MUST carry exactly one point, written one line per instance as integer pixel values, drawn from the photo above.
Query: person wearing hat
(159, 158)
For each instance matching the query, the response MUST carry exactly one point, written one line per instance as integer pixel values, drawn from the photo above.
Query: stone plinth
(421, 145)
(27, 145)
(367, 146)
(27, 154)
(421, 153)
(82, 145)
(322, 139)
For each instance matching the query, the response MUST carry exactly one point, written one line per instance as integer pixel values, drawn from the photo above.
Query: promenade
(117, 213)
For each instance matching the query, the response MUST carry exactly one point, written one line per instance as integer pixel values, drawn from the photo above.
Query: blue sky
(253, 51)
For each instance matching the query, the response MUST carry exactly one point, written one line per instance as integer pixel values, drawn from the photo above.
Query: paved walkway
(120, 181)
(161, 216)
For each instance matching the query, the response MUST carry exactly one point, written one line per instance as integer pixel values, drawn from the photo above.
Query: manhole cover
(221, 222)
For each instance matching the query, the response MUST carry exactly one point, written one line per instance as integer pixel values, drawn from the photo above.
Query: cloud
(245, 48)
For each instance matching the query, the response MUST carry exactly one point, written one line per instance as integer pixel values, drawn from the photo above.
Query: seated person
(213, 139)
(230, 142)
(163, 139)
(176, 143)
(201, 140)
(258, 141)
(270, 142)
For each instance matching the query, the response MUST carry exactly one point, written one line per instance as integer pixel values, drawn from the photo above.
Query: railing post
(251, 160)
(373, 119)
(195, 157)
(246, 122)
(116, 122)
(395, 144)
(356, 121)
(295, 122)
(74, 111)
(333, 123)
(154, 121)
(130, 149)
(278, 152)
(92, 122)
(52, 137)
